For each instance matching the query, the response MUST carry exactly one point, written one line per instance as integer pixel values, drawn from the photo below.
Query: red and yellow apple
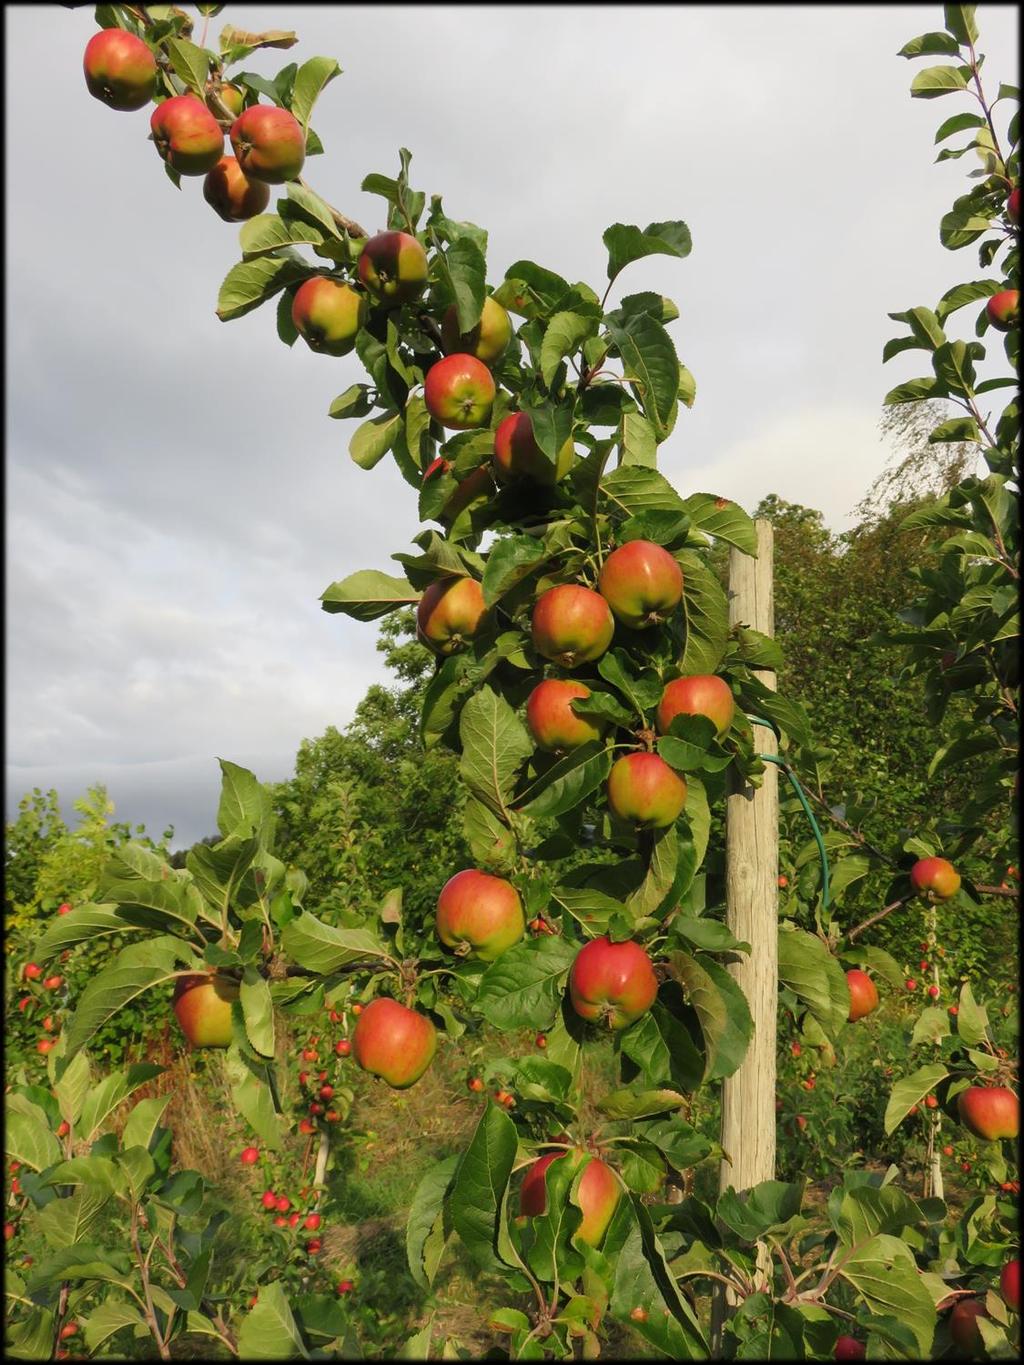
(393, 267)
(863, 994)
(187, 135)
(269, 144)
(641, 582)
(644, 790)
(232, 98)
(1003, 309)
(328, 314)
(598, 1193)
(990, 1112)
(517, 456)
(699, 694)
(571, 625)
(612, 983)
(449, 613)
(202, 1004)
(479, 913)
(935, 879)
(459, 392)
(231, 194)
(553, 723)
(120, 69)
(394, 1042)
(487, 341)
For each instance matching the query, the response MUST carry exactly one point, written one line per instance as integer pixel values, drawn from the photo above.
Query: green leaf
(464, 270)
(310, 80)
(960, 23)
(530, 290)
(651, 365)
(628, 243)
(884, 1273)
(323, 948)
(30, 1141)
(706, 613)
(956, 429)
(568, 781)
(629, 1103)
(910, 1091)
(425, 1210)
(643, 1280)
(721, 1008)
(637, 441)
(634, 490)
(258, 1012)
(914, 390)
(142, 1121)
(368, 594)
(249, 284)
(85, 922)
(809, 970)
(190, 63)
(479, 1185)
(268, 233)
(972, 1018)
(930, 45)
(510, 561)
(269, 1330)
(523, 987)
(374, 438)
(107, 993)
(935, 81)
(563, 336)
(495, 744)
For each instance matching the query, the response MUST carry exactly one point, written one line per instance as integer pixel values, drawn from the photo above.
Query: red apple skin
(449, 613)
(644, 790)
(393, 267)
(553, 723)
(393, 1042)
(935, 879)
(572, 625)
(202, 1004)
(231, 194)
(518, 457)
(849, 1348)
(962, 1325)
(269, 144)
(328, 315)
(1003, 309)
(641, 582)
(187, 135)
(612, 983)
(1009, 1284)
(1013, 206)
(989, 1112)
(477, 484)
(119, 69)
(487, 341)
(699, 694)
(598, 1193)
(863, 994)
(480, 911)
(459, 392)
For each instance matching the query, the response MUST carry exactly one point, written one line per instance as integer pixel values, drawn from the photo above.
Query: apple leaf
(634, 490)
(651, 366)
(495, 745)
(425, 1211)
(628, 243)
(884, 1273)
(809, 970)
(643, 1280)
(374, 438)
(523, 988)
(935, 81)
(722, 1010)
(310, 80)
(368, 594)
(191, 64)
(249, 284)
(479, 1184)
(910, 1091)
(563, 336)
(723, 519)
(464, 271)
(637, 442)
(530, 290)
(568, 781)
(931, 45)
(706, 613)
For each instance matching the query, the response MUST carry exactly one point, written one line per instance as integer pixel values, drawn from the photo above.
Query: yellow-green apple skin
(479, 913)
(698, 694)
(328, 314)
(641, 582)
(553, 723)
(935, 879)
(487, 341)
(644, 790)
(393, 1042)
(459, 392)
(269, 144)
(231, 194)
(119, 69)
(202, 1005)
(571, 625)
(518, 456)
(449, 613)
(393, 267)
(232, 98)
(187, 135)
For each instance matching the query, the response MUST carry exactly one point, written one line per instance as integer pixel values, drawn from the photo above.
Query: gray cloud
(177, 499)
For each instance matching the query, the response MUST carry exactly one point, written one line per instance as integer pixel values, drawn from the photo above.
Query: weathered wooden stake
(751, 880)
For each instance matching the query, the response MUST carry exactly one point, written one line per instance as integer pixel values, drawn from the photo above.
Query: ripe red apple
(328, 314)
(934, 879)
(783, 882)
(933, 991)
(475, 1084)
(33, 971)
(551, 720)
(9, 1231)
(64, 909)
(1003, 309)
(394, 1042)
(120, 69)
(313, 1246)
(459, 392)
(231, 194)
(187, 135)
(863, 994)
(283, 1203)
(45, 1045)
(931, 1102)
(479, 914)
(393, 267)
(517, 456)
(327, 1092)
(312, 1221)
(269, 1199)
(449, 613)
(989, 1111)
(342, 1047)
(963, 1327)
(1009, 1284)
(280, 1221)
(250, 1156)
(202, 1003)
(53, 983)
(644, 790)
(1013, 206)
(487, 341)
(572, 625)
(641, 582)
(947, 1151)
(69, 1330)
(612, 983)
(309, 1054)
(796, 1049)
(269, 144)
(849, 1348)
(699, 694)
(307, 1127)
(345, 1287)
(540, 1041)
(598, 1193)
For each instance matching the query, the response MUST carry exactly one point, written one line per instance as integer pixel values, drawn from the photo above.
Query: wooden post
(752, 892)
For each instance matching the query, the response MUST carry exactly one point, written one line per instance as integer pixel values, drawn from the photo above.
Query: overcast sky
(177, 499)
